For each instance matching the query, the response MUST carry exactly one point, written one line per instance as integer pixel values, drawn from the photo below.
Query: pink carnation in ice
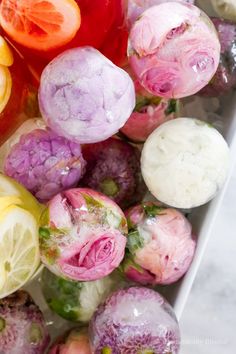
(82, 235)
(137, 7)
(76, 341)
(84, 96)
(174, 56)
(45, 163)
(160, 244)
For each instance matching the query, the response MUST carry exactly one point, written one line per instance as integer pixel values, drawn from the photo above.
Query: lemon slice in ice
(9, 187)
(19, 249)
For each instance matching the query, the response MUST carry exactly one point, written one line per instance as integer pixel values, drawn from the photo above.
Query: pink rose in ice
(84, 97)
(150, 112)
(82, 235)
(74, 342)
(174, 56)
(160, 244)
(137, 7)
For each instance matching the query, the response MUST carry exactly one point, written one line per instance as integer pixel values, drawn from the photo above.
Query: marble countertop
(209, 321)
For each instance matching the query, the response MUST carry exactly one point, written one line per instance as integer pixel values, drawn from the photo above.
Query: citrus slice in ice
(6, 56)
(5, 86)
(19, 249)
(5, 202)
(40, 24)
(9, 187)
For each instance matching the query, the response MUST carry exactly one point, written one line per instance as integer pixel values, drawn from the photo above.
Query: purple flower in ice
(84, 96)
(45, 163)
(225, 76)
(135, 320)
(22, 327)
(113, 168)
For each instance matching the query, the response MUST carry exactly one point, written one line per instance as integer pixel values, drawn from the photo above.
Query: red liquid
(22, 103)
(103, 26)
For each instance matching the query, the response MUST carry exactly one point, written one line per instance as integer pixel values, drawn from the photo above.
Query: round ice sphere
(135, 320)
(174, 56)
(185, 162)
(84, 97)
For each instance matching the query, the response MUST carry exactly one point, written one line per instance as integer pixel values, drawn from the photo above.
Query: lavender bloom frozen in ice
(174, 56)
(84, 96)
(45, 163)
(113, 168)
(135, 320)
(22, 327)
(225, 76)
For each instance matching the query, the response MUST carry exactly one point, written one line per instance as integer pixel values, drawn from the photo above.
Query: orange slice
(40, 24)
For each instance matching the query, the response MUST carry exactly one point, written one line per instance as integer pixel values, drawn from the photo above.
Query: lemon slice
(5, 202)
(9, 187)
(6, 56)
(19, 249)
(5, 86)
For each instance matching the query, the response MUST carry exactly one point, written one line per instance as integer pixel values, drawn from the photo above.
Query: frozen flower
(75, 341)
(174, 56)
(225, 76)
(45, 163)
(135, 320)
(82, 235)
(160, 245)
(22, 327)
(149, 112)
(185, 162)
(84, 97)
(73, 300)
(113, 168)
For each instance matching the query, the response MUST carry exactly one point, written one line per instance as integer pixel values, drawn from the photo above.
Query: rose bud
(135, 320)
(84, 97)
(45, 163)
(174, 56)
(150, 112)
(22, 326)
(75, 341)
(225, 76)
(82, 235)
(113, 168)
(160, 245)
